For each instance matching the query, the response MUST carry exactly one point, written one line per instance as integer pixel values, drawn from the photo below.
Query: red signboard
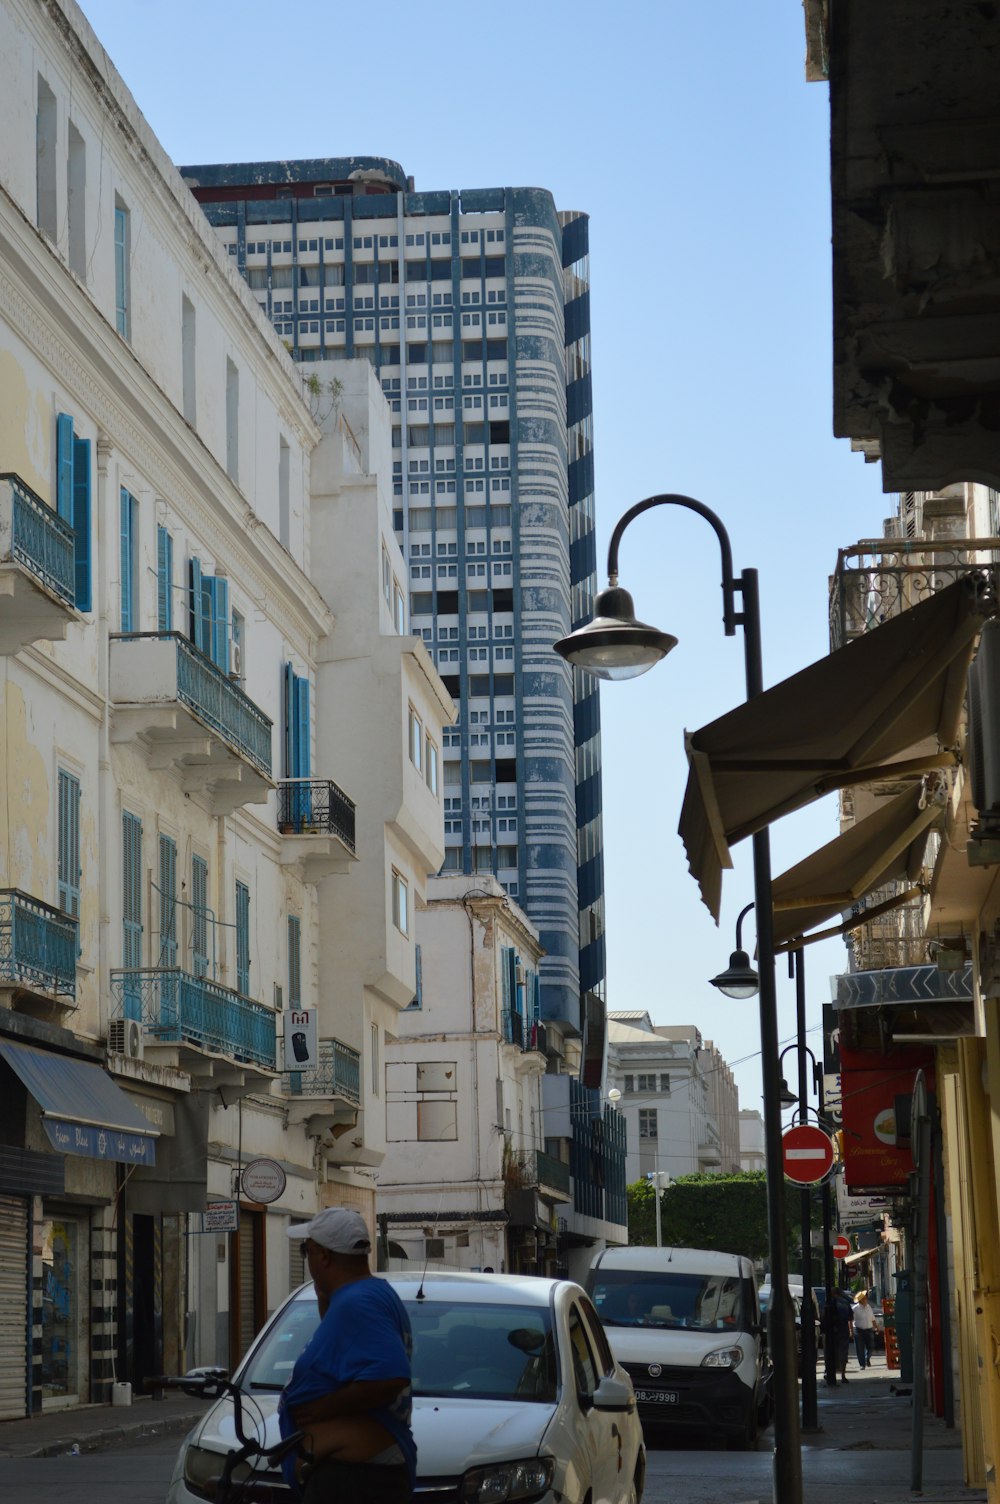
(841, 1247)
(873, 1160)
(806, 1154)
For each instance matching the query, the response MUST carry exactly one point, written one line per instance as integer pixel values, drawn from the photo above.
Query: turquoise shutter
(168, 902)
(128, 611)
(207, 614)
(243, 939)
(219, 596)
(164, 581)
(69, 844)
(536, 998)
(121, 271)
(294, 961)
(64, 466)
(194, 601)
(131, 891)
(81, 523)
(199, 915)
(301, 733)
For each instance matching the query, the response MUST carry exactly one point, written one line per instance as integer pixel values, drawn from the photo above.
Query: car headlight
(202, 1471)
(507, 1480)
(723, 1357)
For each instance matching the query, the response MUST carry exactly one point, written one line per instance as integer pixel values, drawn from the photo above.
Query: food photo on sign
(877, 1155)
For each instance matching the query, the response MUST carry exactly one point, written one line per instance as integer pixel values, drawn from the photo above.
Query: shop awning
(887, 846)
(83, 1111)
(885, 706)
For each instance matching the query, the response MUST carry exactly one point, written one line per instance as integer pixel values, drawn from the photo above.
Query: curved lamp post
(739, 980)
(614, 645)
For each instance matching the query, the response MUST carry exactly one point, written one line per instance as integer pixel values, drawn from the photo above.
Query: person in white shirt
(864, 1330)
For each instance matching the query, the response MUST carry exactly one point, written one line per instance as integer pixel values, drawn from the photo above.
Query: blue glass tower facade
(473, 308)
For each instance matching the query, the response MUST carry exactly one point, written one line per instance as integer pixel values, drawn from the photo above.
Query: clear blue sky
(687, 132)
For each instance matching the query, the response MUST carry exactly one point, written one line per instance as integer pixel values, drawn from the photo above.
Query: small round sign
(806, 1154)
(841, 1246)
(263, 1181)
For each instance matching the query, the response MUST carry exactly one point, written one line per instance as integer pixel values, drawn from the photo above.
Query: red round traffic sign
(806, 1154)
(841, 1246)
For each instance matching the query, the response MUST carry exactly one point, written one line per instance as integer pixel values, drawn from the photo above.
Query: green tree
(726, 1212)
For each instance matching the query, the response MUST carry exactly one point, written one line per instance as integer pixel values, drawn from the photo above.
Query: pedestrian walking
(864, 1329)
(350, 1388)
(838, 1327)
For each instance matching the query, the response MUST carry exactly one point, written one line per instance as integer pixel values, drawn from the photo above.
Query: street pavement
(861, 1452)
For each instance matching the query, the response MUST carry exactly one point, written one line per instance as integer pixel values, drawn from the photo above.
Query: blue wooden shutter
(64, 466)
(243, 939)
(219, 597)
(131, 891)
(69, 844)
(128, 602)
(168, 901)
(294, 961)
(164, 581)
(301, 729)
(81, 523)
(121, 271)
(288, 719)
(199, 916)
(194, 601)
(536, 998)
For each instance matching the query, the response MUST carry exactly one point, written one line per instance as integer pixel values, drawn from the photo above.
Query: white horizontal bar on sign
(806, 1153)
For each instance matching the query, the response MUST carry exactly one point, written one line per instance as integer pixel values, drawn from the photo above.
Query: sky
(687, 132)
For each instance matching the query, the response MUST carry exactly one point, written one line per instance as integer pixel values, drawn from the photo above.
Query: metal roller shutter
(14, 1306)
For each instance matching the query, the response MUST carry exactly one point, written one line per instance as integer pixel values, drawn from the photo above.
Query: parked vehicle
(516, 1395)
(686, 1325)
(797, 1291)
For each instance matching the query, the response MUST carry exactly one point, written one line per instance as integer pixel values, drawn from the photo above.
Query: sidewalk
(97, 1428)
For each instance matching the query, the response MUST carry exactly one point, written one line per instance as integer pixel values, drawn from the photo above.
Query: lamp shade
(739, 980)
(614, 645)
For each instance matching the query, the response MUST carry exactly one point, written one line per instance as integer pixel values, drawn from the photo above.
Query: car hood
(451, 1434)
(670, 1345)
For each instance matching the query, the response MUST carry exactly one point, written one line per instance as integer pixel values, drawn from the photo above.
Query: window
(76, 201)
(431, 765)
(199, 916)
(168, 902)
(69, 844)
(665, 1084)
(400, 902)
(284, 498)
(647, 1122)
(376, 1068)
(123, 251)
(585, 1368)
(232, 420)
(208, 614)
(297, 743)
(129, 582)
(416, 740)
(45, 160)
(418, 996)
(398, 608)
(189, 404)
(646, 1083)
(294, 961)
(164, 580)
(242, 939)
(131, 891)
(73, 501)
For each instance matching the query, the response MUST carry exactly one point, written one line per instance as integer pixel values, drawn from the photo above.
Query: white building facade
(190, 652)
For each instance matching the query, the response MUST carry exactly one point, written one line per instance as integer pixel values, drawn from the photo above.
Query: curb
(103, 1440)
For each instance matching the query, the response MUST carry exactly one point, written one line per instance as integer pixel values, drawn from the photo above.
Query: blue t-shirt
(365, 1335)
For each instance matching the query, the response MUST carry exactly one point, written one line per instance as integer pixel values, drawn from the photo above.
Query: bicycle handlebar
(213, 1384)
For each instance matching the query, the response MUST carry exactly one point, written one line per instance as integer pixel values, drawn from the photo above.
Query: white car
(516, 1396)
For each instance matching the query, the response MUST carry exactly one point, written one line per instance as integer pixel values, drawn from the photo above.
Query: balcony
(38, 950)
(202, 1023)
(531, 1169)
(316, 822)
(519, 1032)
(190, 717)
(37, 569)
(330, 1093)
(882, 577)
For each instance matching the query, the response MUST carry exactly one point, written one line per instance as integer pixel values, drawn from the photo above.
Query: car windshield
(463, 1349)
(703, 1302)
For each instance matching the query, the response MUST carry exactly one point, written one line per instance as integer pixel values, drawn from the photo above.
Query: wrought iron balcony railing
(215, 698)
(176, 1007)
(516, 1029)
(39, 539)
(338, 1074)
(38, 945)
(882, 577)
(309, 806)
(527, 1168)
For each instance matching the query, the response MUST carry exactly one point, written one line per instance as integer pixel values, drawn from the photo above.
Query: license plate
(657, 1396)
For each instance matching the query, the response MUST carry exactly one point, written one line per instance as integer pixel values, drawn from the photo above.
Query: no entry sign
(806, 1154)
(841, 1247)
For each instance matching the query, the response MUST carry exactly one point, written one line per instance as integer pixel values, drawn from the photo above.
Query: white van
(686, 1326)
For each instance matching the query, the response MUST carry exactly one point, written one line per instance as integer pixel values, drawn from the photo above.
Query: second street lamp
(615, 645)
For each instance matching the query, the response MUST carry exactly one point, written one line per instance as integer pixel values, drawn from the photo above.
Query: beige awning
(888, 845)
(857, 716)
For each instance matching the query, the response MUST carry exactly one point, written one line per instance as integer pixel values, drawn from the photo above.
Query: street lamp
(615, 645)
(739, 980)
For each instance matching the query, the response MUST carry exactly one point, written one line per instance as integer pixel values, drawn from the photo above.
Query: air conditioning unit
(236, 661)
(125, 1038)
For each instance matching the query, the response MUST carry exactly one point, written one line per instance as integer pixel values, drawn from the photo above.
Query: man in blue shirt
(350, 1388)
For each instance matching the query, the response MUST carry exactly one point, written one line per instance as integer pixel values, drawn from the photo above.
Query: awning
(888, 845)
(850, 718)
(83, 1111)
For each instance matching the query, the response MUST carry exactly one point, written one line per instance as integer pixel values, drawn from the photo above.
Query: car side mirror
(612, 1394)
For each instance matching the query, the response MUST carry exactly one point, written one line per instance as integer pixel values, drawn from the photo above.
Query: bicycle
(213, 1384)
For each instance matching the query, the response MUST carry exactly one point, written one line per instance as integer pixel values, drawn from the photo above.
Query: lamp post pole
(615, 645)
(810, 1412)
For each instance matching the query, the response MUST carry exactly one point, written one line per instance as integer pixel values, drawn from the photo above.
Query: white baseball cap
(336, 1228)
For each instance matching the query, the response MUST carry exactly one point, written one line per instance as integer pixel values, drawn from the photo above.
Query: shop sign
(220, 1216)
(263, 1181)
(874, 1161)
(301, 1039)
